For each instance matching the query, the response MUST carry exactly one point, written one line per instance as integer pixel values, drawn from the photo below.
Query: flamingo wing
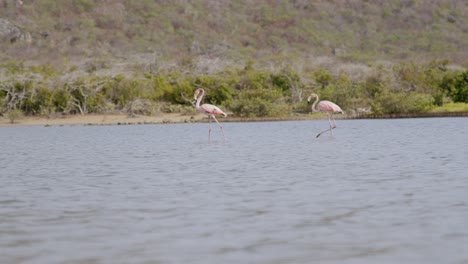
(330, 107)
(210, 109)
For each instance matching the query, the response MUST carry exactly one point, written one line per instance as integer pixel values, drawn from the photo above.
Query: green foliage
(160, 88)
(121, 90)
(182, 30)
(84, 5)
(14, 114)
(322, 77)
(60, 101)
(141, 107)
(259, 94)
(13, 68)
(177, 108)
(288, 81)
(451, 107)
(182, 88)
(456, 86)
(260, 102)
(341, 90)
(394, 103)
(86, 94)
(247, 92)
(425, 78)
(219, 90)
(46, 71)
(39, 102)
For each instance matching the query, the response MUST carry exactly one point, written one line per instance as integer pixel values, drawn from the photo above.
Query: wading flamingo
(208, 109)
(325, 106)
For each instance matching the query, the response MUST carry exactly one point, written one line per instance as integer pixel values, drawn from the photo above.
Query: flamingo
(325, 106)
(208, 109)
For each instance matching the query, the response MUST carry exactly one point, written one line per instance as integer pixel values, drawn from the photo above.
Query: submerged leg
(209, 128)
(319, 134)
(330, 129)
(334, 122)
(221, 127)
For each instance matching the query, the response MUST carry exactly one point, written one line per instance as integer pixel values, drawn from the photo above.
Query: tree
(14, 114)
(83, 91)
(14, 91)
(456, 85)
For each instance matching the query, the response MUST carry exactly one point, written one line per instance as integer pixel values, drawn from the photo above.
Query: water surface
(378, 191)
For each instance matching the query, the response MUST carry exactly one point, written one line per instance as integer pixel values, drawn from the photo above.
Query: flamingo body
(329, 108)
(211, 110)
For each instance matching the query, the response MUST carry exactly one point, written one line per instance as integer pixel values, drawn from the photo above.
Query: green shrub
(121, 90)
(451, 107)
(39, 102)
(84, 5)
(141, 107)
(160, 88)
(456, 86)
(14, 114)
(60, 100)
(322, 77)
(394, 103)
(259, 103)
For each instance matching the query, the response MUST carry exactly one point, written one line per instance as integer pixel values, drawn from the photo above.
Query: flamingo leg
(334, 122)
(209, 128)
(319, 134)
(221, 127)
(332, 126)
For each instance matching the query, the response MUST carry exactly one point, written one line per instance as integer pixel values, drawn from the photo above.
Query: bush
(394, 103)
(160, 88)
(456, 86)
(14, 114)
(141, 107)
(39, 102)
(259, 103)
(60, 101)
(121, 90)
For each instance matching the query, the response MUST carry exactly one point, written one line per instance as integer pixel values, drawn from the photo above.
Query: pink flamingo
(325, 106)
(208, 109)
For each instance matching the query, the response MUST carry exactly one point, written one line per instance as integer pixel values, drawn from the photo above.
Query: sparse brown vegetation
(257, 58)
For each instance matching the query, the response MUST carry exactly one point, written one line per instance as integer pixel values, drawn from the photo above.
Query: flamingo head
(195, 95)
(197, 92)
(313, 95)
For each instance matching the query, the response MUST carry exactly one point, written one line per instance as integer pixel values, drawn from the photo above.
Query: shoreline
(175, 118)
(100, 119)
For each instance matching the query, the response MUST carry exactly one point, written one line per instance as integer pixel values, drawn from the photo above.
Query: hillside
(224, 33)
(255, 58)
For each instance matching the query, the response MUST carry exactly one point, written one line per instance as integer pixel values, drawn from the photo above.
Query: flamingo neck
(197, 105)
(314, 110)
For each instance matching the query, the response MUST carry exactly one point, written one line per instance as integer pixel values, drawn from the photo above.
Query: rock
(9, 32)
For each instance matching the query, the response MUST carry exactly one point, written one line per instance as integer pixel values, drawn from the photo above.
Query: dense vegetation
(255, 58)
(39, 90)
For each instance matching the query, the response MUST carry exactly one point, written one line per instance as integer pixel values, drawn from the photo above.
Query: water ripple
(378, 191)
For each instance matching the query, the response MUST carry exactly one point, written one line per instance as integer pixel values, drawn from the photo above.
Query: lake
(378, 191)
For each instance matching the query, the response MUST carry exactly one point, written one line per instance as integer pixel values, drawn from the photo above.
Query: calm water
(378, 191)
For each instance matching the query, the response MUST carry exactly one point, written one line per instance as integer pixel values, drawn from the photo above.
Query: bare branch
(296, 90)
(14, 96)
(192, 102)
